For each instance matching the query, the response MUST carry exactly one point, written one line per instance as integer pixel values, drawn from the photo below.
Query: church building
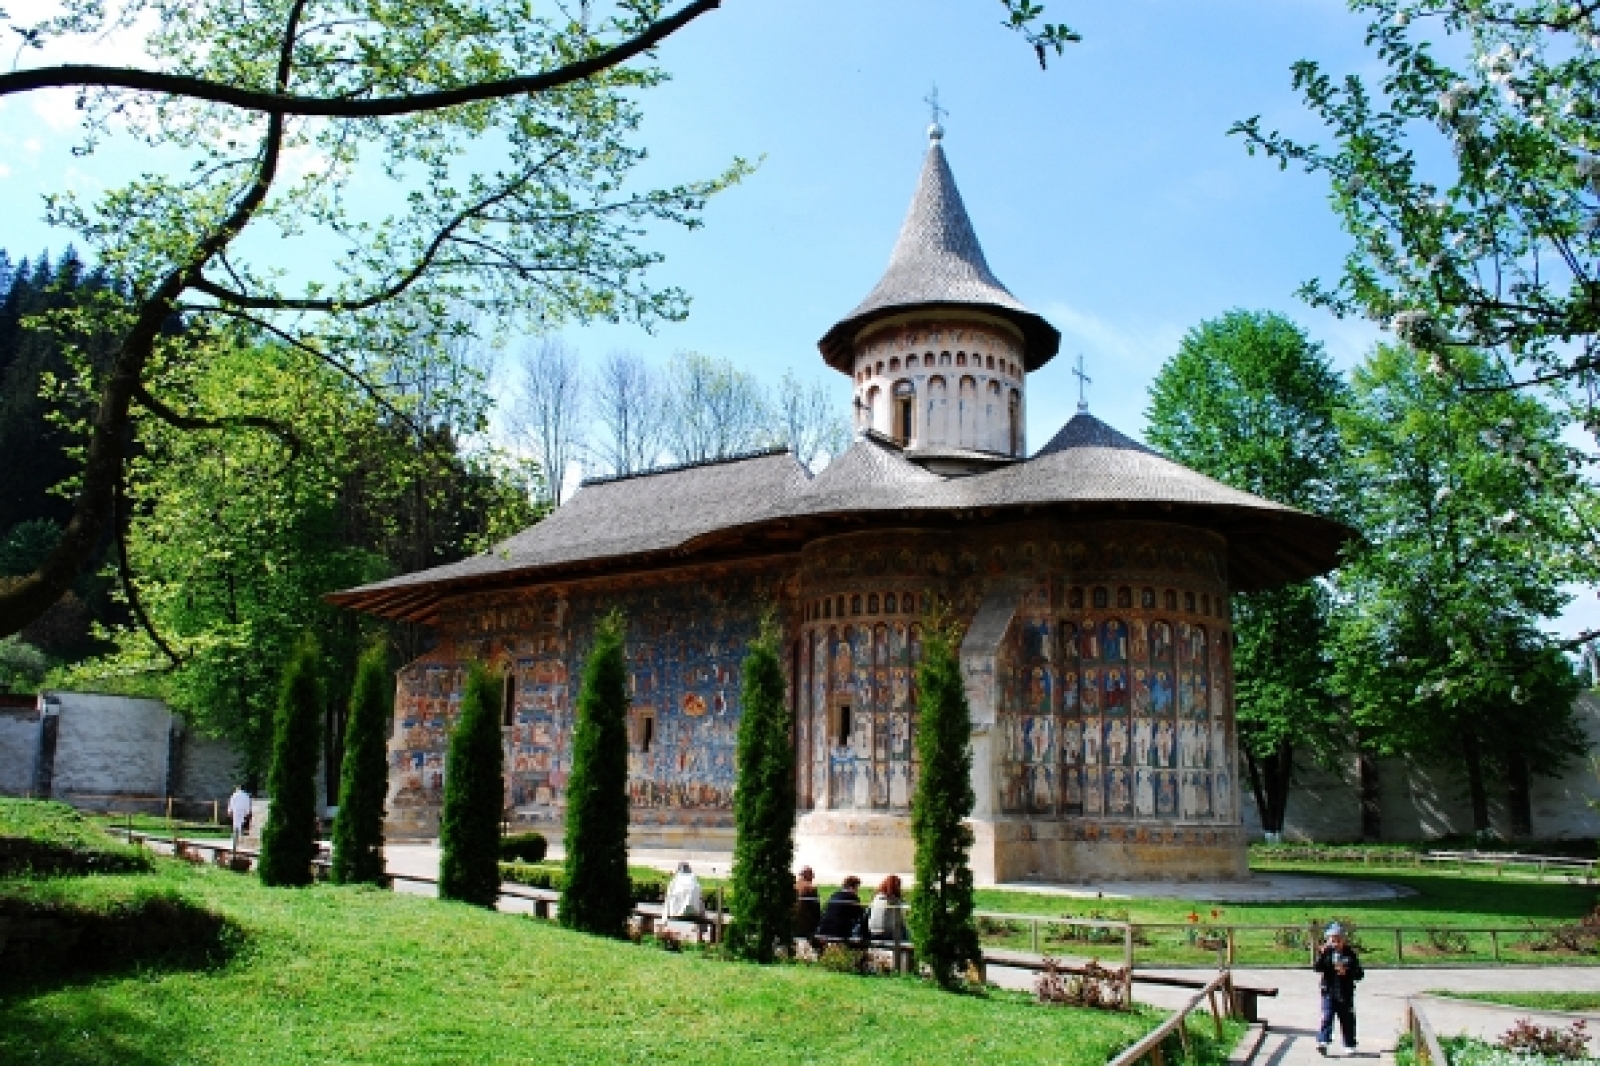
(1091, 580)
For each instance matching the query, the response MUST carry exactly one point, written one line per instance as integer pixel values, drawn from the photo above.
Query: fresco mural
(1113, 698)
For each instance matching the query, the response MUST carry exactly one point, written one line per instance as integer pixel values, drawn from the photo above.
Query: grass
(355, 975)
(52, 836)
(1563, 1001)
(154, 823)
(1444, 901)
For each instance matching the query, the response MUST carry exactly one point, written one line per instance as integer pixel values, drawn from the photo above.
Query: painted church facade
(1091, 583)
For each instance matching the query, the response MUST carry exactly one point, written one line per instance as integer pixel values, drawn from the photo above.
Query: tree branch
(119, 520)
(178, 420)
(82, 75)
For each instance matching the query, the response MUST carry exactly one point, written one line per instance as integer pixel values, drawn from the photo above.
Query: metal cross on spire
(936, 131)
(1083, 380)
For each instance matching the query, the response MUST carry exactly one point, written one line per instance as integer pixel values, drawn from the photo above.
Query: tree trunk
(1519, 801)
(1269, 783)
(1371, 796)
(1477, 791)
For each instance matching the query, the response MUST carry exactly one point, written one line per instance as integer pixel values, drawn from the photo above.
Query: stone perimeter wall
(1420, 804)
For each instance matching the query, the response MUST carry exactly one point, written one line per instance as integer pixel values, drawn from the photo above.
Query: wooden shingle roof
(767, 503)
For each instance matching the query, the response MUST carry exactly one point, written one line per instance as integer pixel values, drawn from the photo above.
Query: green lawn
(1573, 1001)
(341, 975)
(1444, 900)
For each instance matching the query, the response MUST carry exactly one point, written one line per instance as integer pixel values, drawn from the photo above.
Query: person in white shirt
(239, 810)
(683, 895)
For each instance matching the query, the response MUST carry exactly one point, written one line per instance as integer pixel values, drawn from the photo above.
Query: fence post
(1399, 946)
(1230, 947)
(1494, 939)
(1036, 936)
(1127, 965)
(1311, 938)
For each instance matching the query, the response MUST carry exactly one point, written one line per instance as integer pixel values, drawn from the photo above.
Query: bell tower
(940, 350)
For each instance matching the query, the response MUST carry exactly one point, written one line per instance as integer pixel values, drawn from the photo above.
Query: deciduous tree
(474, 795)
(598, 896)
(764, 807)
(1474, 512)
(548, 414)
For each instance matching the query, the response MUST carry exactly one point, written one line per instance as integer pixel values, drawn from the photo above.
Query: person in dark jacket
(807, 905)
(842, 917)
(1340, 968)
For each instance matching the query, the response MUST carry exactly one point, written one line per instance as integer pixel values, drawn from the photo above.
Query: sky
(1106, 191)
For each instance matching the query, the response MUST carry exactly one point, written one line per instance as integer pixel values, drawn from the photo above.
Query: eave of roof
(767, 505)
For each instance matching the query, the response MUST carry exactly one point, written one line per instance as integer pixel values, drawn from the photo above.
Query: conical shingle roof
(938, 262)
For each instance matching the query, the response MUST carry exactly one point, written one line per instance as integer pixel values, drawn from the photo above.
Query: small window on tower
(1147, 599)
(1075, 599)
(889, 603)
(1172, 600)
(1101, 597)
(855, 604)
(872, 603)
(1188, 602)
(990, 362)
(827, 608)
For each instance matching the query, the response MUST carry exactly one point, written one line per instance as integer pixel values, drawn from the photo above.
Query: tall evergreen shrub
(764, 806)
(364, 777)
(597, 896)
(474, 796)
(942, 926)
(289, 839)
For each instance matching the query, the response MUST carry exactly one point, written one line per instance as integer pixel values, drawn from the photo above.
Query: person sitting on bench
(887, 920)
(842, 916)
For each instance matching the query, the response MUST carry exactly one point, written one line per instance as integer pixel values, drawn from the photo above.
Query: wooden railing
(1423, 1039)
(1151, 1046)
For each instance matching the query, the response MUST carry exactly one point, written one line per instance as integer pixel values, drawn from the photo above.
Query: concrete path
(1380, 1004)
(1257, 888)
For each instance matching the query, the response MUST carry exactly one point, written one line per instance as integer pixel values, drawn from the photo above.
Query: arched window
(904, 407)
(968, 412)
(911, 361)
(935, 428)
(1014, 414)
(874, 397)
(880, 366)
(944, 358)
(894, 364)
(961, 359)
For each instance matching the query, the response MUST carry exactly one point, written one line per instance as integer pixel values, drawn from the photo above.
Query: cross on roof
(932, 100)
(1083, 380)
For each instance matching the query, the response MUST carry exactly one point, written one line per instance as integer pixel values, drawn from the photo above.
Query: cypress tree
(597, 896)
(364, 777)
(941, 921)
(474, 796)
(289, 839)
(764, 806)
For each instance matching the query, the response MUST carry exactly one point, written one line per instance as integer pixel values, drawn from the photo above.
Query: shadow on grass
(80, 1032)
(55, 944)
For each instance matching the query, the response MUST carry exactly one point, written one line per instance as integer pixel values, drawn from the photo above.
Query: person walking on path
(239, 811)
(684, 898)
(1339, 967)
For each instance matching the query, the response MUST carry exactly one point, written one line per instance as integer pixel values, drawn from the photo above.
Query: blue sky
(1106, 191)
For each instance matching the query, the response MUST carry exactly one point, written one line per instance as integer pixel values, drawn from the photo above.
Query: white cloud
(5, 172)
(57, 108)
(32, 145)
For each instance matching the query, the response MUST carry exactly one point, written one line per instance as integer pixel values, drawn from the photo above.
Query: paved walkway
(1292, 1017)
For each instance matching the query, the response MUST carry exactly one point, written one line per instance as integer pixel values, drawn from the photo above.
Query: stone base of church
(864, 843)
(1005, 852)
(869, 845)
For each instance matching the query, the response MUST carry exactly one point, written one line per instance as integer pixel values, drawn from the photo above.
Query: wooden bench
(905, 954)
